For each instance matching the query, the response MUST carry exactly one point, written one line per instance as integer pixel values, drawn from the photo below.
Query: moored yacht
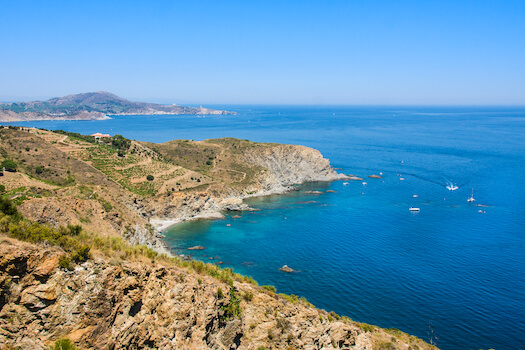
(471, 199)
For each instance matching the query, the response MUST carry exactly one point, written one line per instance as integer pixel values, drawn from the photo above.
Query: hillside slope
(134, 304)
(123, 186)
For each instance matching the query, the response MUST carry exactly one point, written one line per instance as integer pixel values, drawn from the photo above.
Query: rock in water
(286, 268)
(197, 247)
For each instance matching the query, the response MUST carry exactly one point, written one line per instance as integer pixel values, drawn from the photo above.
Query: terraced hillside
(123, 185)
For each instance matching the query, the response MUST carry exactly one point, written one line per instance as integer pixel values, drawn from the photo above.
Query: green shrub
(384, 346)
(248, 296)
(39, 169)
(82, 254)
(150, 178)
(270, 288)
(366, 327)
(233, 309)
(64, 344)
(74, 230)
(8, 207)
(64, 262)
(105, 204)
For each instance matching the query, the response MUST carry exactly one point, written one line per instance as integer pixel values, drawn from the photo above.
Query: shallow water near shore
(448, 272)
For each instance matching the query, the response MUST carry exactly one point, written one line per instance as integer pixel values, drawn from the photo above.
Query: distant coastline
(92, 106)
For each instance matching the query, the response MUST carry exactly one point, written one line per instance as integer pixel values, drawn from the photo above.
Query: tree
(120, 142)
(9, 165)
(150, 178)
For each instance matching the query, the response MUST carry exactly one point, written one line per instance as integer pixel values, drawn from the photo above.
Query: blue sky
(266, 52)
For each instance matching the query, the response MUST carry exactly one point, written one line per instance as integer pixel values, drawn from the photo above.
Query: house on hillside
(98, 136)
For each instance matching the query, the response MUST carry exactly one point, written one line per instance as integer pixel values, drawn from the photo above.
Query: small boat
(364, 183)
(451, 187)
(345, 183)
(401, 179)
(471, 199)
(414, 209)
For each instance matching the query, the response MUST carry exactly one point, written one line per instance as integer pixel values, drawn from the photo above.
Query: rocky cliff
(290, 165)
(142, 305)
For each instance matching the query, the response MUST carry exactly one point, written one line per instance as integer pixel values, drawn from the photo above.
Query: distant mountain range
(90, 106)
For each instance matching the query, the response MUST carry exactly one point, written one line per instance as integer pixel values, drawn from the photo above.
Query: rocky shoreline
(162, 225)
(286, 165)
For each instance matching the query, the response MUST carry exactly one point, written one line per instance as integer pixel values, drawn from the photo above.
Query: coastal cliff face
(144, 305)
(290, 165)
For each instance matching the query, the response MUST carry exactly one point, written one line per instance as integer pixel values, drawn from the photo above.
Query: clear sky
(266, 52)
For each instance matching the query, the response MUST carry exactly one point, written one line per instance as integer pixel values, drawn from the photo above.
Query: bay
(449, 273)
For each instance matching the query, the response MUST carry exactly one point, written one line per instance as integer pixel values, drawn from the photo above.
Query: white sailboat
(471, 199)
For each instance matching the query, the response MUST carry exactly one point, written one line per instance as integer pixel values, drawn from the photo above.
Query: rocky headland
(280, 166)
(71, 179)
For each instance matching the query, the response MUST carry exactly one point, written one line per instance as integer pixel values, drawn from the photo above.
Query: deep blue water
(448, 269)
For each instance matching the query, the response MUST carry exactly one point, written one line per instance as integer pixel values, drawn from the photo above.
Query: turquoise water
(448, 270)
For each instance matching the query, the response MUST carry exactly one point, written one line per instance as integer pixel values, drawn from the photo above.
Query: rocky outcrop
(151, 238)
(201, 205)
(292, 164)
(140, 305)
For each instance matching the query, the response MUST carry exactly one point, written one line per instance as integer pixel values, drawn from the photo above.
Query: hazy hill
(90, 106)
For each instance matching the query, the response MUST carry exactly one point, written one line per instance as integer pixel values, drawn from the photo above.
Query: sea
(452, 274)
